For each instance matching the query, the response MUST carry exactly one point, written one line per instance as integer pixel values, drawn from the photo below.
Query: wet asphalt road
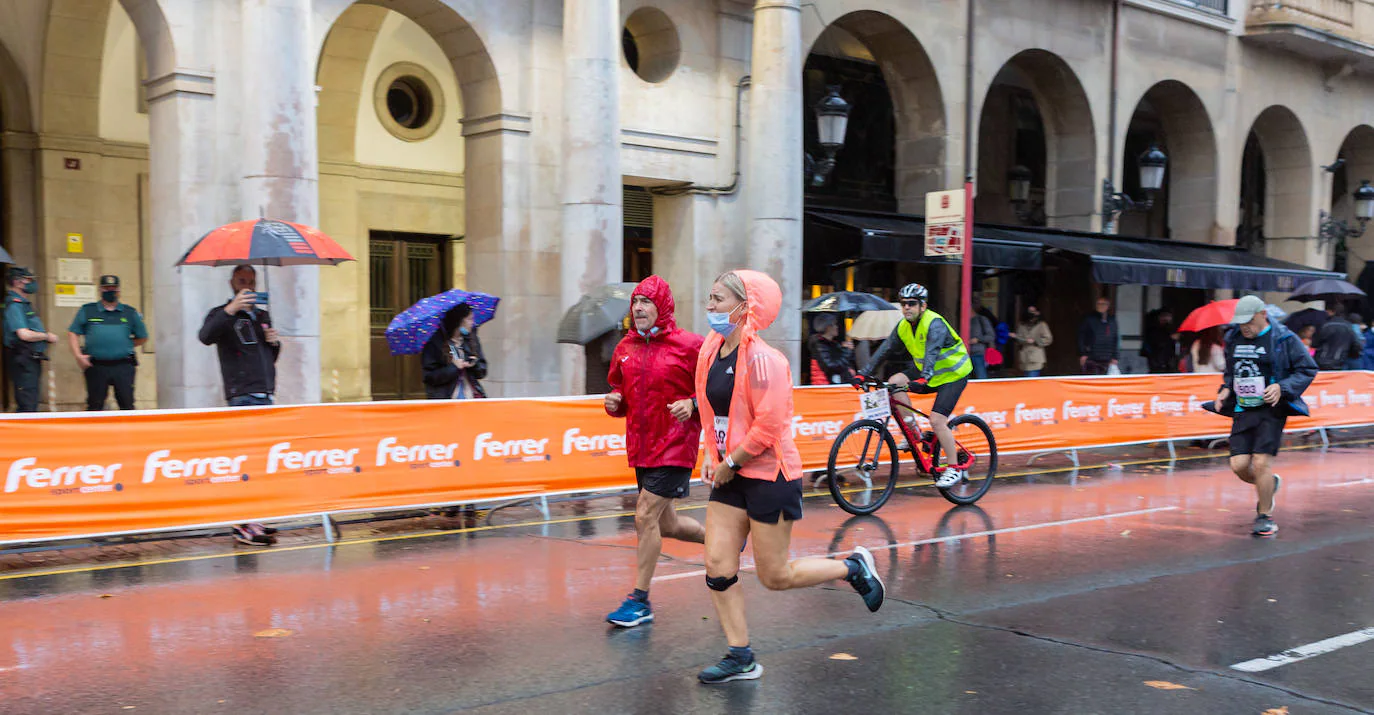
(1108, 591)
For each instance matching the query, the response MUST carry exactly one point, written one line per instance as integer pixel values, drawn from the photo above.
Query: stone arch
(74, 47)
(918, 103)
(1288, 177)
(1070, 146)
(1181, 126)
(1357, 149)
(487, 130)
(18, 177)
(16, 113)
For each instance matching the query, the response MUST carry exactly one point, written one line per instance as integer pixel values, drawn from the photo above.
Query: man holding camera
(241, 330)
(26, 340)
(113, 331)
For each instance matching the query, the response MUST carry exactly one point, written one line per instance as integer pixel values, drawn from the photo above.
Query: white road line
(1310, 650)
(1351, 484)
(960, 537)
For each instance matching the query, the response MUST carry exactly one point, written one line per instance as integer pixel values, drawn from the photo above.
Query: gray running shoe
(866, 581)
(729, 669)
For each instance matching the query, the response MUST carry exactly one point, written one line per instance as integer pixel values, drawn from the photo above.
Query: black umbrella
(596, 314)
(845, 301)
(1304, 318)
(1326, 289)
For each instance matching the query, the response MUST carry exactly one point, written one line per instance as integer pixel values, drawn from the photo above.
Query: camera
(260, 298)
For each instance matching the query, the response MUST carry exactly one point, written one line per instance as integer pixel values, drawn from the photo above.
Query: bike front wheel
(863, 467)
(977, 456)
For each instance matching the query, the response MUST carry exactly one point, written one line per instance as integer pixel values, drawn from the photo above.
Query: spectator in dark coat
(452, 360)
(834, 360)
(1099, 340)
(1335, 340)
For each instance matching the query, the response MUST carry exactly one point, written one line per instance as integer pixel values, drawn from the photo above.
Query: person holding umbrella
(452, 360)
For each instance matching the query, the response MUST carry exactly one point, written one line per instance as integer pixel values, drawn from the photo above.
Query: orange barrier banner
(103, 473)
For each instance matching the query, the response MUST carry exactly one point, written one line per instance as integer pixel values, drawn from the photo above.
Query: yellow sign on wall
(76, 243)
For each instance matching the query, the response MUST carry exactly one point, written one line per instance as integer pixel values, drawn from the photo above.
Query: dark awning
(1132, 261)
(900, 238)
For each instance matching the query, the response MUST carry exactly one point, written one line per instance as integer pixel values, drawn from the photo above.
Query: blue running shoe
(866, 580)
(729, 669)
(631, 613)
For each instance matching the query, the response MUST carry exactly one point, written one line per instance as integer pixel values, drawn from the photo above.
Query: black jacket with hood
(441, 375)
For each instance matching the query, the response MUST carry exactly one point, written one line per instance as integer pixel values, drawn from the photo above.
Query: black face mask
(109, 296)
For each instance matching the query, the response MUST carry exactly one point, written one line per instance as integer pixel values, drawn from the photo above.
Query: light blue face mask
(648, 333)
(720, 322)
(464, 331)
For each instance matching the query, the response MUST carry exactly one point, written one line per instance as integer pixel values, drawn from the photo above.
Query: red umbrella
(1209, 316)
(265, 242)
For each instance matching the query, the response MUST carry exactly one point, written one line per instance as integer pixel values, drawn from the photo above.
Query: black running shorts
(1257, 431)
(763, 501)
(666, 482)
(946, 396)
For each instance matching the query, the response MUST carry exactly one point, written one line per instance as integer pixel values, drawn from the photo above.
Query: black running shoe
(866, 580)
(1265, 526)
(252, 535)
(729, 669)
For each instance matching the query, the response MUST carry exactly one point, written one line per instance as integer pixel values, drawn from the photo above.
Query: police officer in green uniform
(26, 340)
(113, 330)
(942, 366)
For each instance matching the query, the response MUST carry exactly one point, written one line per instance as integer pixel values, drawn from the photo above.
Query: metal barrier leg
(544, 507)
(1326, 441)
(331, 532)
(1073, 456)
(1173, 454)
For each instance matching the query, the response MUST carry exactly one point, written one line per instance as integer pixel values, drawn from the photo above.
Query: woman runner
(744, 394)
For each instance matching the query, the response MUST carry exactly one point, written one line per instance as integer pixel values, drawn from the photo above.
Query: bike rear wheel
(863, 467)
(977, 454)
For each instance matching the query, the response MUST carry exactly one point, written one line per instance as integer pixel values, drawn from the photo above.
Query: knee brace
(721, 583)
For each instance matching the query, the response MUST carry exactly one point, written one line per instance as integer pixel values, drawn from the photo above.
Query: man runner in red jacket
(651, 382)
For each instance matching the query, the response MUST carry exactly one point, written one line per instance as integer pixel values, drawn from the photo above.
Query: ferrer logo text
(213, 469)
(92, 477)
(1165, 407)
(1087, 413)
(318, 461)
(524, 450)
(612, 444)
(1326, 399)
(1125, 409)
(1036, 414)
(802, 428)
(420, 455)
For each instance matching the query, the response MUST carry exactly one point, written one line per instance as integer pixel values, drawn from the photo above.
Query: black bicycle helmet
(914, 291)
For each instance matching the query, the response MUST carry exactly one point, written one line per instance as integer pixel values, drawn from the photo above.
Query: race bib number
(1249, 391)
(875, 406)
(721, 427)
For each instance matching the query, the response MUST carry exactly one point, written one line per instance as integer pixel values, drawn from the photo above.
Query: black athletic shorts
(1258, 431)
(666, 482)
(762, 501)
(946, 396)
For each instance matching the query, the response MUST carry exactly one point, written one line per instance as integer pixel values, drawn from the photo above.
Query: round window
(651, 45)
(408, 101)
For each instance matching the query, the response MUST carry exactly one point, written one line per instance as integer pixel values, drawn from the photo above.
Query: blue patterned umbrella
(413, 327)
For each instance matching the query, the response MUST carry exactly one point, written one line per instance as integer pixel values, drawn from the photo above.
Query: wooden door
(403, 269)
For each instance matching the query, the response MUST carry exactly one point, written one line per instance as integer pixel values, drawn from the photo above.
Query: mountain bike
(865, 462)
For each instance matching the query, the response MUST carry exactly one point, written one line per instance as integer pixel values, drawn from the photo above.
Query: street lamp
(1338, 232)
(1152, 164)
(832, 120)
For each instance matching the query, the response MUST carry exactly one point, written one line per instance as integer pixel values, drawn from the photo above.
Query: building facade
(536, 149)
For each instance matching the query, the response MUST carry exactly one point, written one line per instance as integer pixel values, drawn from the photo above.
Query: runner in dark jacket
(651, 379)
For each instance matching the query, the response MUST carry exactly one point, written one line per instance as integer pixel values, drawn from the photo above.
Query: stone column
(774, 169)
(185, 201)
(280, 174)
(592, 216)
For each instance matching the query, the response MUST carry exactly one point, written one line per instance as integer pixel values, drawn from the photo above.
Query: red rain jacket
(650, 372)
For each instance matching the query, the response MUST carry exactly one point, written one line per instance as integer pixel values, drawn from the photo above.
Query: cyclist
(942, 367)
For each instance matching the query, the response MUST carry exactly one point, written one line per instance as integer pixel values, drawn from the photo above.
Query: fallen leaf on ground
(1166, 685)
(1276, 711)
(970, 692)
(107, 595)
(842, 656)
(1272, 600)
(1225, 510)
(424, 568)
(1126, 532)
(273, 633)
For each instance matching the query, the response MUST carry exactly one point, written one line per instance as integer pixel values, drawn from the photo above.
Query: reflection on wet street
(1128, 589)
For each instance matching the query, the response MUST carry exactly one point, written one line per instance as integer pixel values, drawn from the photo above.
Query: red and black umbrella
(265, 242)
